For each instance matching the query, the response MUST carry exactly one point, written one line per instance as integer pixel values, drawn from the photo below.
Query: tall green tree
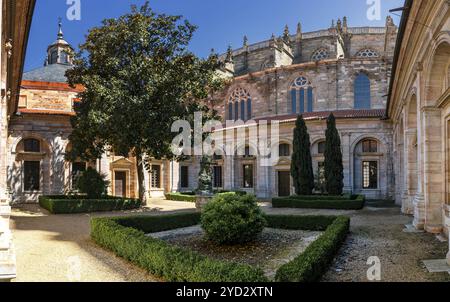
(301, 164)
(139, 78)
(334, 169)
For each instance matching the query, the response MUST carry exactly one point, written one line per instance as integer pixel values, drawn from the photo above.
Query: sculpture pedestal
(202, 201)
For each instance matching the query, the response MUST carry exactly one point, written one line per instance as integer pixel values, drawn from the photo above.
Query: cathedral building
(341, 70)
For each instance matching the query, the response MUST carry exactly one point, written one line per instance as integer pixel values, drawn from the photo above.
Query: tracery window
(319, 55)
(367, 53)
(240, 105)
(301, 96)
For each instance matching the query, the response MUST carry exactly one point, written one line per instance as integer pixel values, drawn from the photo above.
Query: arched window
(284, 150)
(32, 145)
(319, 55)
(321, 148)
(301, 96)
(369, 146)
(242, 102)
(64, 57)
(367, 53)
(54, 57)
(362, 92)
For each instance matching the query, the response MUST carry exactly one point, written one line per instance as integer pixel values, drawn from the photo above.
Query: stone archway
(433, 137)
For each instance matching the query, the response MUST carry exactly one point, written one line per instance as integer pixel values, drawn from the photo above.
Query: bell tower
(60, 52)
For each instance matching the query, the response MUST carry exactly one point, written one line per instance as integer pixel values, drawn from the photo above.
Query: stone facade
(329, 62)
(12, 53)
(419, 108)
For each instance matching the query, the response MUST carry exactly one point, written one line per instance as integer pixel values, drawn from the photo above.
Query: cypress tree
(301, 164)
(334, 169)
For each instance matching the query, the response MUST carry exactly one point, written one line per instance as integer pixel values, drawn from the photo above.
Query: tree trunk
(141, 178)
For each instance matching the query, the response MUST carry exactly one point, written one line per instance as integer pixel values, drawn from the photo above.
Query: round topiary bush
(232, 219)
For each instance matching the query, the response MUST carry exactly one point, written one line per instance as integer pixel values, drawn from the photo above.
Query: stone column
(262, 177)
(447, 225)
(411, 171)
(57, 166)
(419, 199)
(7, 255)
(346, 161)
(228, 173)
(433, 177)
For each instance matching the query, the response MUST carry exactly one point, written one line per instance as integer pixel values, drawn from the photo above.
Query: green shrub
(315, 260)
(92, 183)
(181, 197)
(81, 204)
(153, 224)
(163, 260)
(309, 203)
(232, 219)
(296, 222)
(237, 192)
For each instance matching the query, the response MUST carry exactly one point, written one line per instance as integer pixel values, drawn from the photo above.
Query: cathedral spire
(60, 32)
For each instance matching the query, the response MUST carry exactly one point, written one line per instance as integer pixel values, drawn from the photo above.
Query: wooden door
(284, 183)
(120, 184)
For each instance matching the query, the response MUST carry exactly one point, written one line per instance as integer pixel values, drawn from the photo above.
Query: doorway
(120, 183)
(284, 183)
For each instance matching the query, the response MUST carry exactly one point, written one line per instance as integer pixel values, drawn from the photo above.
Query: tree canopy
(334, 169)
(301, 164)
(139, 77)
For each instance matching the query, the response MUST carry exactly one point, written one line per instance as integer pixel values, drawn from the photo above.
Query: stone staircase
(7, 255)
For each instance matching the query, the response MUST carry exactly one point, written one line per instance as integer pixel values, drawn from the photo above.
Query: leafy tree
(301, 164)
(334, 169)
(139, 78)
(92, 183)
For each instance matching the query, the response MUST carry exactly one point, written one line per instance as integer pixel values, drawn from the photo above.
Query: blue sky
(220, 22)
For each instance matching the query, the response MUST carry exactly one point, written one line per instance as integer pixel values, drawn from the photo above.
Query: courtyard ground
(58, 248)
(378, 231)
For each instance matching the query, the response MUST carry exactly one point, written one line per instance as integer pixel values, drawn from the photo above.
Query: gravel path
(379, 232)
(57, 248)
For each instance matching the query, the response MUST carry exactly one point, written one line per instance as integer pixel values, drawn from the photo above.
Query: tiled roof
(46, 112)
(50, 73)
(339, 114)
(322, 115)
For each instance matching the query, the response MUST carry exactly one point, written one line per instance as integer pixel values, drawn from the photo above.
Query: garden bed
(273, 248)
(81, 204)
(345, 202)
(126, 237)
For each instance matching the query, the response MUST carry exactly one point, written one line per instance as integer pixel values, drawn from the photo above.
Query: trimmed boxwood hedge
(181, 197)
(80, 204)
(310, 265)
(125, 236)
(162, 259)
(356, 202)
(191, 196)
